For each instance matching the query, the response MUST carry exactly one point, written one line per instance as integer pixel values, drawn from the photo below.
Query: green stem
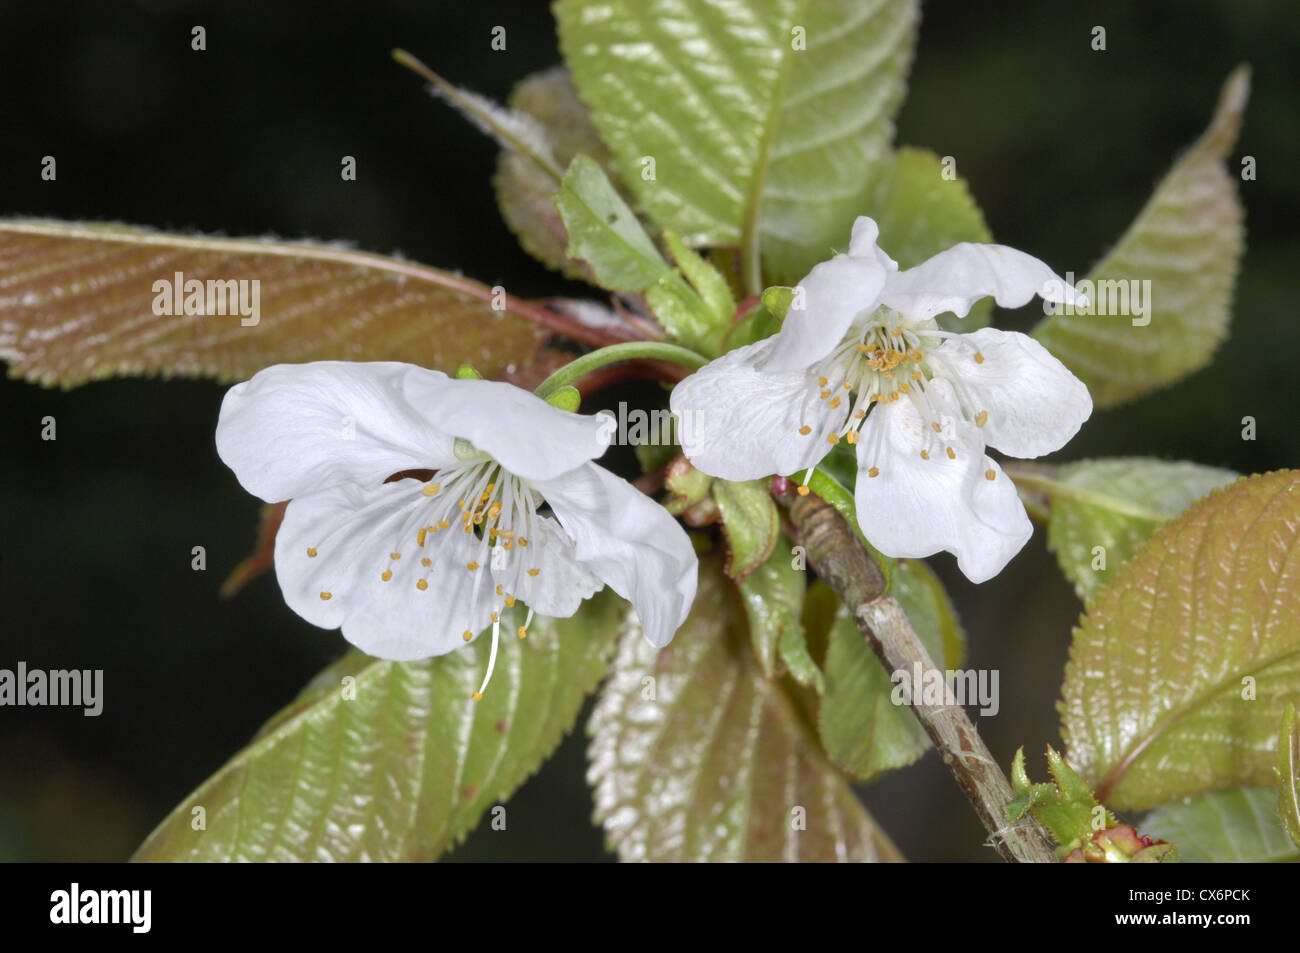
(632, 350)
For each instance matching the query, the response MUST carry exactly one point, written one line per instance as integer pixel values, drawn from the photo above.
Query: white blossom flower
(419, 506)
(864, 361)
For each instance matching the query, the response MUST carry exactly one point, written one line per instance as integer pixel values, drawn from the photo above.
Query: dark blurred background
(1061, 146)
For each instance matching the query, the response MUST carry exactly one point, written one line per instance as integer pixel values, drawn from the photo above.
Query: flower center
(882, 359)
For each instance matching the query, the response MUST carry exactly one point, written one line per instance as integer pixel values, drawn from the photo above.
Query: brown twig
(844, 563)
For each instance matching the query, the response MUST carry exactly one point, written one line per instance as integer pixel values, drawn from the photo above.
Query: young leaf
(758, 123)
(773, 596)
(696, 756)
(77, 303)
(862, 728)
(1288, 774)
(922, 209)
(1102, 511)
(525, 191)
(751, 522)
(1187, 243)
(393, 761)
(1225, 827)
(1179, 672)
(604, 232)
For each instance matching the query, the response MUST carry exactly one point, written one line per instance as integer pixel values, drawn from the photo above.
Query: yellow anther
(510, 602)
(981, 418)
(477, 696)
(851, 436)
(916, 375)
(951, 455)
(804, 490)
(471, 566)
(432, 489)
(874, 472)
(935, 425)
(419, 537)
(522, 541)
(848, 386)
(444, 523)
(490, 487)
(499, 590)
(925, 455)
(833, 438)
(386, 575)
(426, 561)
(859, 414)
(394, 555)
(326, 596)
(422, 585)
(821, 382)
(864, 347)
(523, 633)
(990, 474)
(979, 358)
(311, 552)
(533, 572)
(903, 388)
(467, 635)
(495, 617)
(825, 394)
(805, 430)
(835, 402)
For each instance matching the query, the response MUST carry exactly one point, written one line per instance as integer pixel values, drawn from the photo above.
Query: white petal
(296, 428)
(354, 531)
(631, 543)
(834, 293)
(1034, 404)
(522, 432)
(737, 422)
(956, 278)
(863, 243)
(915, 507)
(562, 582)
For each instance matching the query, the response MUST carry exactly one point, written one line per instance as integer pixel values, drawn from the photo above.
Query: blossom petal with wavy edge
(1034, 405)
(833, 294)
(522, 432)
(957, 277)
(630, 543)
(737, 422)
(918, 505)
(354, 531)
(293, 429)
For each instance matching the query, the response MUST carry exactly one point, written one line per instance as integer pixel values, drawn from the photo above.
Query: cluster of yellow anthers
(880, 364)
(496, 510)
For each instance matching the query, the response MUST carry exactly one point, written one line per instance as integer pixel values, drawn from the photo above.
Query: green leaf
(525, 191)
(1115, 504)
(78, 305)
(755, 142)
(696, 756)
(1187, 242)
(773, 597)
(404, 769)
(1181, 669)
(1288, 774)
(707, 281)
(862, 728)
(604, 232)
(1064, 805)
(921, 212)
(751, 522)
(1225, 827)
